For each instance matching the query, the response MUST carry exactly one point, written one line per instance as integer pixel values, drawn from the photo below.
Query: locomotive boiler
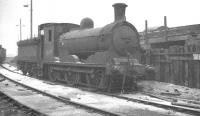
(118, 38)
(105, 58)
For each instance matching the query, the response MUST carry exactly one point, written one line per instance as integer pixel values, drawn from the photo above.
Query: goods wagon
(2, 54)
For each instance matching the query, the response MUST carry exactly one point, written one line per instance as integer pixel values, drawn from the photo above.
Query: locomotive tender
(104, 58)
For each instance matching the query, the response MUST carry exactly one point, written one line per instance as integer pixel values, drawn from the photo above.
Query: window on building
(50, 35)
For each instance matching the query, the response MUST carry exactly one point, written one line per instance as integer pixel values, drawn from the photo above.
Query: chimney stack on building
(165, 21)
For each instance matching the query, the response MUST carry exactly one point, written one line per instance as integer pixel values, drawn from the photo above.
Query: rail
(62, 99)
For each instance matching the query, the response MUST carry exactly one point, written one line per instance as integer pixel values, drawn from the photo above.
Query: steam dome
(86, 23)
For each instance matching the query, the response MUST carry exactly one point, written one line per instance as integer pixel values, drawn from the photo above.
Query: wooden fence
(178, 65)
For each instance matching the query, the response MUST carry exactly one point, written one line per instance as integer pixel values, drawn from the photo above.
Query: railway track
(9, 107)
(158, 101)
(30, 101)
(173, 109)
(162, 103)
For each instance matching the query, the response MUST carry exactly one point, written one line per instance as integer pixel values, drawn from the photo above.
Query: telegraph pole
(31, 21)
(20, 26)
(31, 18)
(20, 29)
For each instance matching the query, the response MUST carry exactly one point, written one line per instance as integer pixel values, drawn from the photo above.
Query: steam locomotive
(105, 58)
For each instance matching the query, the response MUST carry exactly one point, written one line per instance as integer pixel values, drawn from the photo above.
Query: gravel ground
(169, 89)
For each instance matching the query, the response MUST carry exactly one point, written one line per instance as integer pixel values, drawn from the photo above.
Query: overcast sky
(178, 12)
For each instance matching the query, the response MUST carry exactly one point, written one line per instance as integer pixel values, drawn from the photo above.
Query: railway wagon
(28, 52)
(106, 58)
(2, 54)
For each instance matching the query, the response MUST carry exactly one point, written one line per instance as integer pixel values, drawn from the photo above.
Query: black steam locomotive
(104, 58)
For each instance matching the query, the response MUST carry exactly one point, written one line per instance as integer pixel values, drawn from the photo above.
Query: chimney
(146, 32)
(119, 9)
(165, 21)
(166, 29)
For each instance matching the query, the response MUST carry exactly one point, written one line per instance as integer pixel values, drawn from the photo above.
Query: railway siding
(104, 102)
(43, 105)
